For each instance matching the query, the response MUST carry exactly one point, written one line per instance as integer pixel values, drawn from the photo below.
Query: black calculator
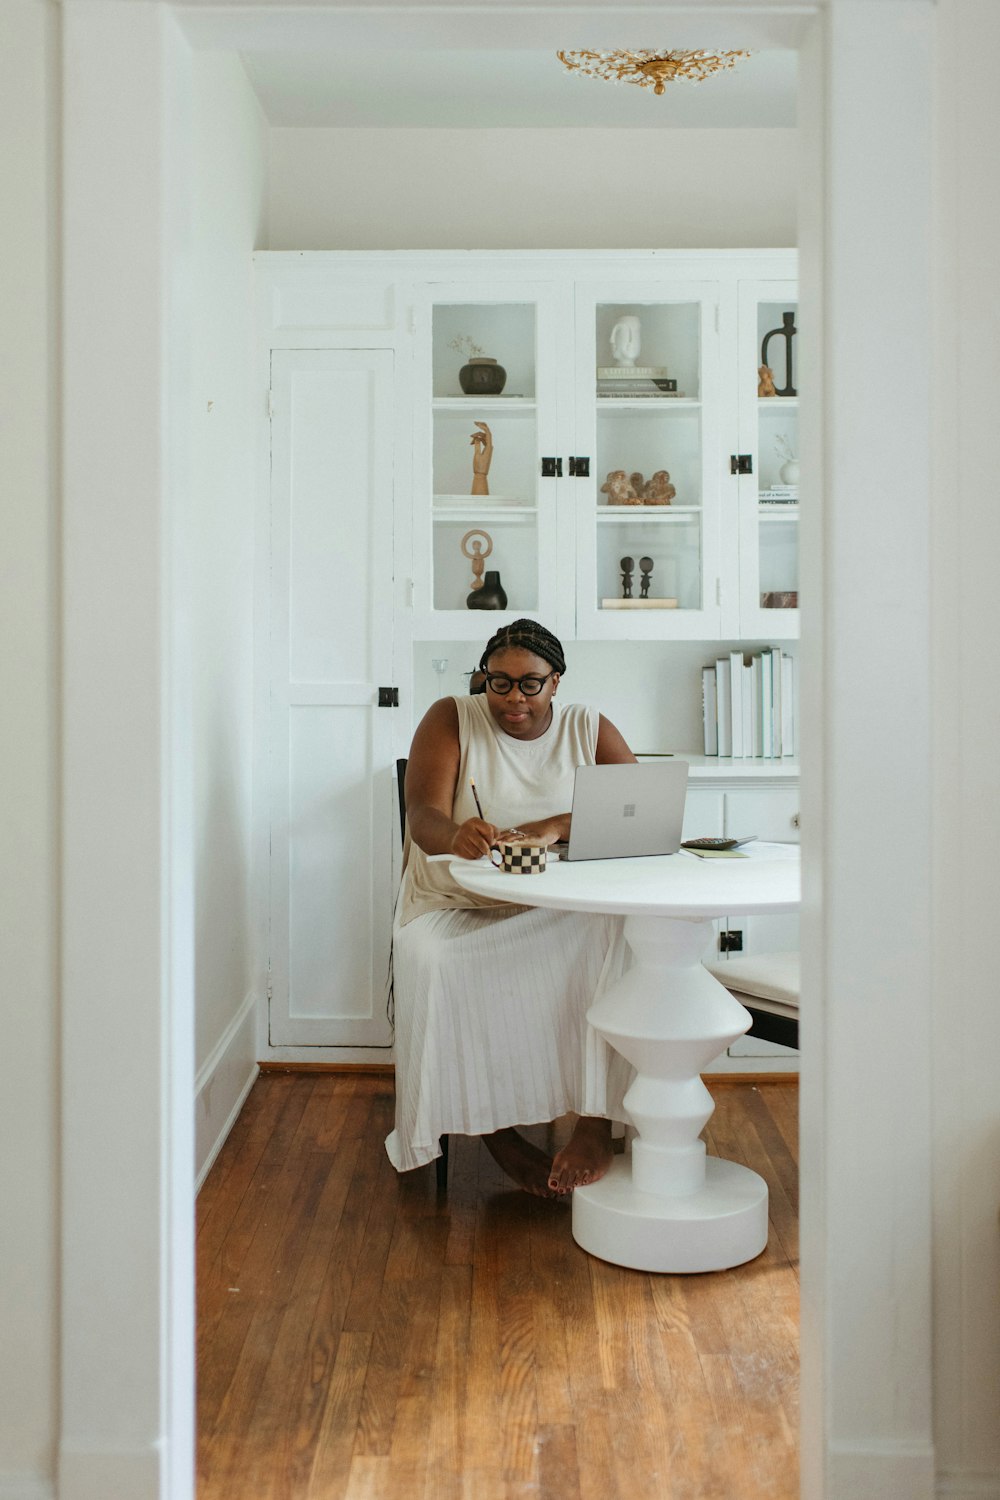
(717, 843)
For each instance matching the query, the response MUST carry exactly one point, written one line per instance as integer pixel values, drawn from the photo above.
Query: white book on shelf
(736, 702)
(789, 741)
(723, 703)
(709, 711)
(766, 706)
(757, 707)
(748, 713)
(776, 701)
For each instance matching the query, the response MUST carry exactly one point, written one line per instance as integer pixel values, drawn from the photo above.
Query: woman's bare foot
(585, 1158)
(528, 1166)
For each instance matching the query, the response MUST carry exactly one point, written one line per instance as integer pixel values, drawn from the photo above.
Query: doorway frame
(127, 906)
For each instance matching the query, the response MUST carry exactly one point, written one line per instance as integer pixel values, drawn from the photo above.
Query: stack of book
(749, 708)
(779, 494)
(639, 380)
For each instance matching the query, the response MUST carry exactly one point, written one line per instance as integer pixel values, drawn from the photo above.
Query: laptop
(620, 811)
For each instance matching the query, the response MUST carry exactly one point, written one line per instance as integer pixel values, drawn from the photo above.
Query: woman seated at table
(491, 999)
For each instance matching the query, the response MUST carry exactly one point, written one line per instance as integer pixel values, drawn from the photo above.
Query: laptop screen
(621, 811)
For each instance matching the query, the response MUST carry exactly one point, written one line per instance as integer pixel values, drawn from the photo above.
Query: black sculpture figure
(627, 564)
(787, 331)
(646, 567)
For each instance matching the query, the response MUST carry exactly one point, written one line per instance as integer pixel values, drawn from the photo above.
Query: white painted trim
(26, 1487)
(887, 1470)
(956, 1485)
(96, 1475)
(229, 1072)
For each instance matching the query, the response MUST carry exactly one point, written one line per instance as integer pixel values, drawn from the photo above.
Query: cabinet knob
(795, 820)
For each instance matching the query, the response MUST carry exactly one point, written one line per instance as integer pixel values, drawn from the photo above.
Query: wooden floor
(360, 1338)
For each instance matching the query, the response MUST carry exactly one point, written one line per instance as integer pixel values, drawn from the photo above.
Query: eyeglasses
(529, 686)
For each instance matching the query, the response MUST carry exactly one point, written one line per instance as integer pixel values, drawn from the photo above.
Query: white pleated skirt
(491, 1023)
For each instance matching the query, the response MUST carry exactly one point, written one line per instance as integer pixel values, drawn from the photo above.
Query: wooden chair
(768, 985)
(441, 1165)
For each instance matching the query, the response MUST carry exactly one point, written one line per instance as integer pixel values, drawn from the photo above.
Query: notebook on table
(621, 811)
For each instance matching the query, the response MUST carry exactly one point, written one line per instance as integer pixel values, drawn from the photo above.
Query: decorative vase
(789, 471)
(482, 377)
(490, 596)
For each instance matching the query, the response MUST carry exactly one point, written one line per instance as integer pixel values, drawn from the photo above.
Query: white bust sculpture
(626, 340)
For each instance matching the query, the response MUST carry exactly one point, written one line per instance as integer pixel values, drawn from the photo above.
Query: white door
(331, 651)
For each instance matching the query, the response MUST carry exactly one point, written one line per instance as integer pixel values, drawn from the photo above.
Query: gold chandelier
(650, 69)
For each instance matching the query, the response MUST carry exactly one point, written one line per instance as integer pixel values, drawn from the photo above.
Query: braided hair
(527, 635)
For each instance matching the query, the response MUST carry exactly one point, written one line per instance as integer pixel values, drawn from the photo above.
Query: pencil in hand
(479, 806)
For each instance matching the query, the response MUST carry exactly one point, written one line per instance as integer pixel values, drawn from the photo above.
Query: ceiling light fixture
(650, 69)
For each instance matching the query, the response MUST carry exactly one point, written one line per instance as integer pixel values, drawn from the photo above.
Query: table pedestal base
(722, 1223)
(665, 1206)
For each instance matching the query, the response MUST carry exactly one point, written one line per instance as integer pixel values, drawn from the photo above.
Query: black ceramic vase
(490, 596)
(482, 377)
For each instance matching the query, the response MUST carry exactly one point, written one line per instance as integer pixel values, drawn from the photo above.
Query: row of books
(749, 708)
(779, 494)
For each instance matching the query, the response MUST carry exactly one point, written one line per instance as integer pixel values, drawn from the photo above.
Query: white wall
(532, 189)
(28, 764)
(229, 149)
(964, 629)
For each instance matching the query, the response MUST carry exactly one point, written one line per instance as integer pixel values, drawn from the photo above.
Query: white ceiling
(490, 89)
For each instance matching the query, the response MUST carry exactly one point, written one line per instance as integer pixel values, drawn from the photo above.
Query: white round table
(666, 1206)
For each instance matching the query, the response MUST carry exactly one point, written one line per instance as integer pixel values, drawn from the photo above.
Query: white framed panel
(331, 649)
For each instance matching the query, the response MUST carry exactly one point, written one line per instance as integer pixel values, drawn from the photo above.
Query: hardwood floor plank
(331, 1467)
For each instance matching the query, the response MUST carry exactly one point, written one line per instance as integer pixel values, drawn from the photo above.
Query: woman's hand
(473, 838)
(544, 831)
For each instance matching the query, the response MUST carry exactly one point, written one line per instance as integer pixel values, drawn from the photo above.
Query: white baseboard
(890, 1471)
(222, 1084)
(26, 1487)
(956, 1484)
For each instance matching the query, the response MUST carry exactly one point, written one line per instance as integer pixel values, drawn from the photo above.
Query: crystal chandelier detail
(651, 70)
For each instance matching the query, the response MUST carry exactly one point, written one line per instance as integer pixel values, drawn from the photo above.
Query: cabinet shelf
(632, 513)
(646, 403)
(485, 403)
(777, 403)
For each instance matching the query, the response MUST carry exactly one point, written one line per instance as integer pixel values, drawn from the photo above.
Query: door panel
(331, 649)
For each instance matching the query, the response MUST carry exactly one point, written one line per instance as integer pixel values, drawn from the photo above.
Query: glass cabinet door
(647, 417)
(485, 525)
(769, 496)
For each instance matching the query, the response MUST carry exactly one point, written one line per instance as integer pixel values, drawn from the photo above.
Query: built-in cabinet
(661, 451)
(618, 372)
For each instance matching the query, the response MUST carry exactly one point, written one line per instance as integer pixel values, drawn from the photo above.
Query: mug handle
(498, 862)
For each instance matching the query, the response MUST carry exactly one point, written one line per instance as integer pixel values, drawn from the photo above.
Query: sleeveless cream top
(517, 780)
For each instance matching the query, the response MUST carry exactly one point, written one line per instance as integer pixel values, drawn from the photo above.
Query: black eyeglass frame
(519, 683)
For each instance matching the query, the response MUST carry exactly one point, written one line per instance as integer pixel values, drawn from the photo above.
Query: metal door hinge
(741, 463)
(551, 468)
(388, 697)
(579, 467)
(731, 942)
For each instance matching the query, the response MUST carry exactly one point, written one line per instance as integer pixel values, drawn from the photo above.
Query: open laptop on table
(620, 811)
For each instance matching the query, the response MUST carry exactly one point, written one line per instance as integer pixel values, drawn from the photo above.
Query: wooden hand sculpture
(482, 443)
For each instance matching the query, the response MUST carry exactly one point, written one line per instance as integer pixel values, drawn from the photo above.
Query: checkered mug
(519, 859)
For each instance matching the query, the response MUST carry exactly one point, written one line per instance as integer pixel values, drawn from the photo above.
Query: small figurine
(626, 340)
(765, 384)
(473, 549)
(619, 490)
(658, 490)
(645, 567)
(482, 442)
(627, 564)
